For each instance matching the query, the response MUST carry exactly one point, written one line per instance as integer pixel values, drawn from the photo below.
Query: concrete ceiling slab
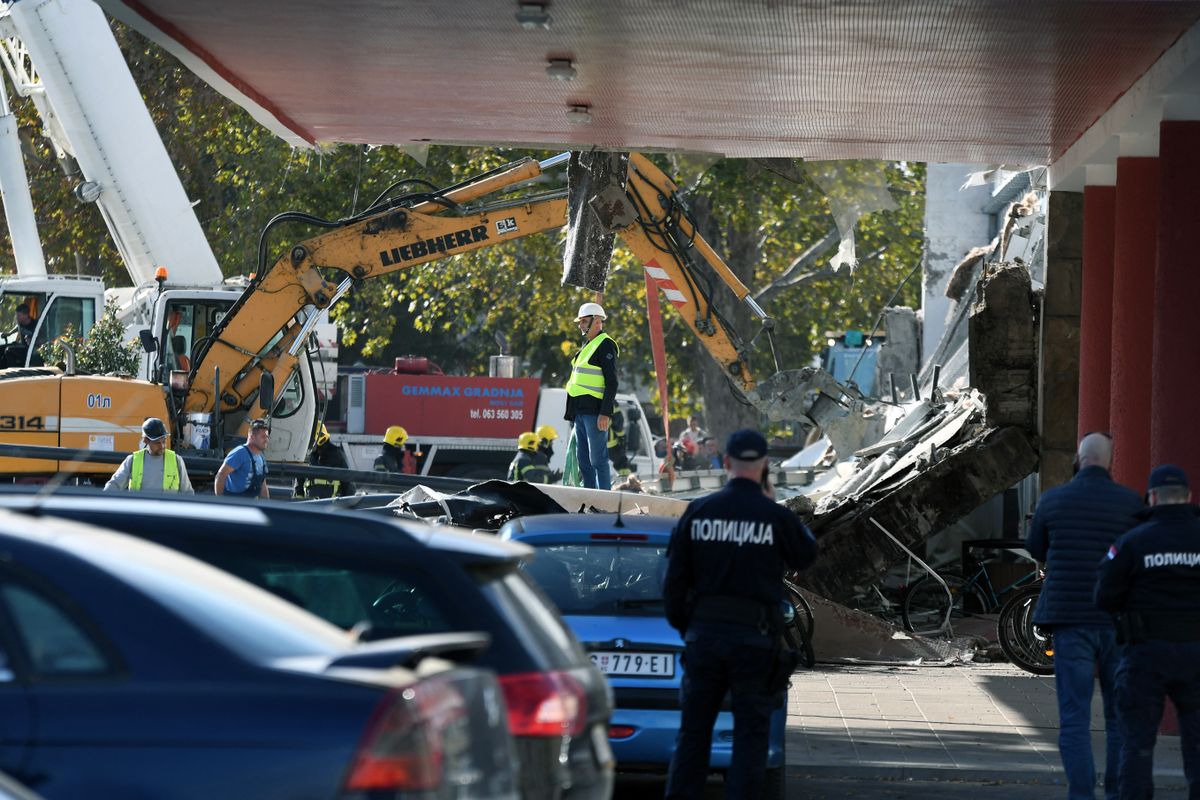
(1014, 82)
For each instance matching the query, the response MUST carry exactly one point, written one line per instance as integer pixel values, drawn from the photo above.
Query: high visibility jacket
(587, 379)
(170, 471)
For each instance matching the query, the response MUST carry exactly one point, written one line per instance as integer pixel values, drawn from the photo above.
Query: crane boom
(264, 330)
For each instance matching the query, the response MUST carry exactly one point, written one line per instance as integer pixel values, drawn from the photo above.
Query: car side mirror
(149, 343)
(266, 391)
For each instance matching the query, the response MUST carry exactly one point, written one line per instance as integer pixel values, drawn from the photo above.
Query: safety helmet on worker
(546, 433)
(322, 435)
(153, 429)
(527, 441)
(395, 436)
(591, 310)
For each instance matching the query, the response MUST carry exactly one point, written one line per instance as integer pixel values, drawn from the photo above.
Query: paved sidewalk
(972, 722)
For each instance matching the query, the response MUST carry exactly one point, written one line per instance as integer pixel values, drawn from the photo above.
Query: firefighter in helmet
(325, 454)
(527, 466)
(395, 457)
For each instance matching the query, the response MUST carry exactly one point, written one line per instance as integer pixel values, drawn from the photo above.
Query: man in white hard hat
(591, 395)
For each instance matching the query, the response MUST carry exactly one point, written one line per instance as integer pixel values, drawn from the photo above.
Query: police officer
(154, 468)
(1151, 581)
(527, 466)
(723, 592)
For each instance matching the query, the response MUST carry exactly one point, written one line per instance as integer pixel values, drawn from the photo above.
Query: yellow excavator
(258, 344)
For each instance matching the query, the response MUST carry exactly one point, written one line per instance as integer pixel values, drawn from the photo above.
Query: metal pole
(950, 605)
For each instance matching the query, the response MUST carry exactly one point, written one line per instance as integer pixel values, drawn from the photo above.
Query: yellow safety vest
(170, 471)
(586, 379)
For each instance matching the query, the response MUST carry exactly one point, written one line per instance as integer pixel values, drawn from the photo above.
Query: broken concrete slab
(966, 474)
(1003, 336)
(843, 635)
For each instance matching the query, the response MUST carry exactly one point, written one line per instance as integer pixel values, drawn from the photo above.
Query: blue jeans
(714, 665)
(591, 445)
(1078, 651)
(1150, 671)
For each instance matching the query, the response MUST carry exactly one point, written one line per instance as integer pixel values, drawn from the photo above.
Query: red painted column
(1096, 308)
(1134, 248)
(1174, 417)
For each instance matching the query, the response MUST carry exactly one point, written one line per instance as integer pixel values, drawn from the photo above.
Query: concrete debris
(914, 500)
(1003, 339)
(843, 635)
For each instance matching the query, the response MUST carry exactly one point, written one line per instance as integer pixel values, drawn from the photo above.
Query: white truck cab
(56, 303)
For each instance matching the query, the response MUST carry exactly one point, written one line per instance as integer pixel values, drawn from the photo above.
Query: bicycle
(928, 606)
(1028, 646)
(803, 623)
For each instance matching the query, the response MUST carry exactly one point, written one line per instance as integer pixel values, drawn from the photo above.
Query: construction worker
(244, 472)
(592, 394)
(527, 465)
(154, 468)
(395, 457)
(325, 454)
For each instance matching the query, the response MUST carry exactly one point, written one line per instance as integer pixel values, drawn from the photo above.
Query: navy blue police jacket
(1156, 566)
(1072, 529)
(736, 542)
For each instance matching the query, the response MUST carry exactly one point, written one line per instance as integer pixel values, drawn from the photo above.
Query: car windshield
(602, 578)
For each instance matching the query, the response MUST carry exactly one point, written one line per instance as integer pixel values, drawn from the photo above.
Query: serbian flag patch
(1112, 552)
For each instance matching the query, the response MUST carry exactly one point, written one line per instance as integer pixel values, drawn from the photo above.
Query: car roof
(187, 586)
(456, 543)
(557, 528)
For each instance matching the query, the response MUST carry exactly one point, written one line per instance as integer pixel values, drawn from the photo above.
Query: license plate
(658, 665)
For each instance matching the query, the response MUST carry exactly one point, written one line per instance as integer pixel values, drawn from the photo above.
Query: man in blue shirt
(244, 472)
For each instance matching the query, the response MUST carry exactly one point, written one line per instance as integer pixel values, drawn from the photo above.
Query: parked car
(388, 577)
(131, 670)
(606, 579)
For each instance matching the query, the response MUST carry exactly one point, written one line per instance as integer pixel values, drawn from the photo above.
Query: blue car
(606, 579)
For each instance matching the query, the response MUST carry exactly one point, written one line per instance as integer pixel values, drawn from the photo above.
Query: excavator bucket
(595, 181)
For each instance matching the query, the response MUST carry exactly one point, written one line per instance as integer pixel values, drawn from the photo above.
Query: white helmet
(590, 310)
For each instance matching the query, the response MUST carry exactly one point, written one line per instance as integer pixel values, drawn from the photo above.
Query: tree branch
(794, 274)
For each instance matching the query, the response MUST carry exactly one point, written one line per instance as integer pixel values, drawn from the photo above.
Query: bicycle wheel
(926, 602)
(1025, 644)
(804, 612)
(802, 626)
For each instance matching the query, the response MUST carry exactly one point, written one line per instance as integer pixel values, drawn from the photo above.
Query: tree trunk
(725, 410)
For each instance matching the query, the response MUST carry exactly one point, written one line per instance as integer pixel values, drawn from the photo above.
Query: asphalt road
(812, 788)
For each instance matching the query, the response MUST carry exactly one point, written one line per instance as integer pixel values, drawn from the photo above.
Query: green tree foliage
(102, 352)
(767, 217)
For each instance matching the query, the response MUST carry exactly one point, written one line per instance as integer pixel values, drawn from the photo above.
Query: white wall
(954, 223)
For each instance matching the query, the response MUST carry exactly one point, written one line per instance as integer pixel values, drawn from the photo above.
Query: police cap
(746, 445)
(1167, 475)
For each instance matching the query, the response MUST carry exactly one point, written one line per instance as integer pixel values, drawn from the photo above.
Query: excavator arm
(265, 330)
